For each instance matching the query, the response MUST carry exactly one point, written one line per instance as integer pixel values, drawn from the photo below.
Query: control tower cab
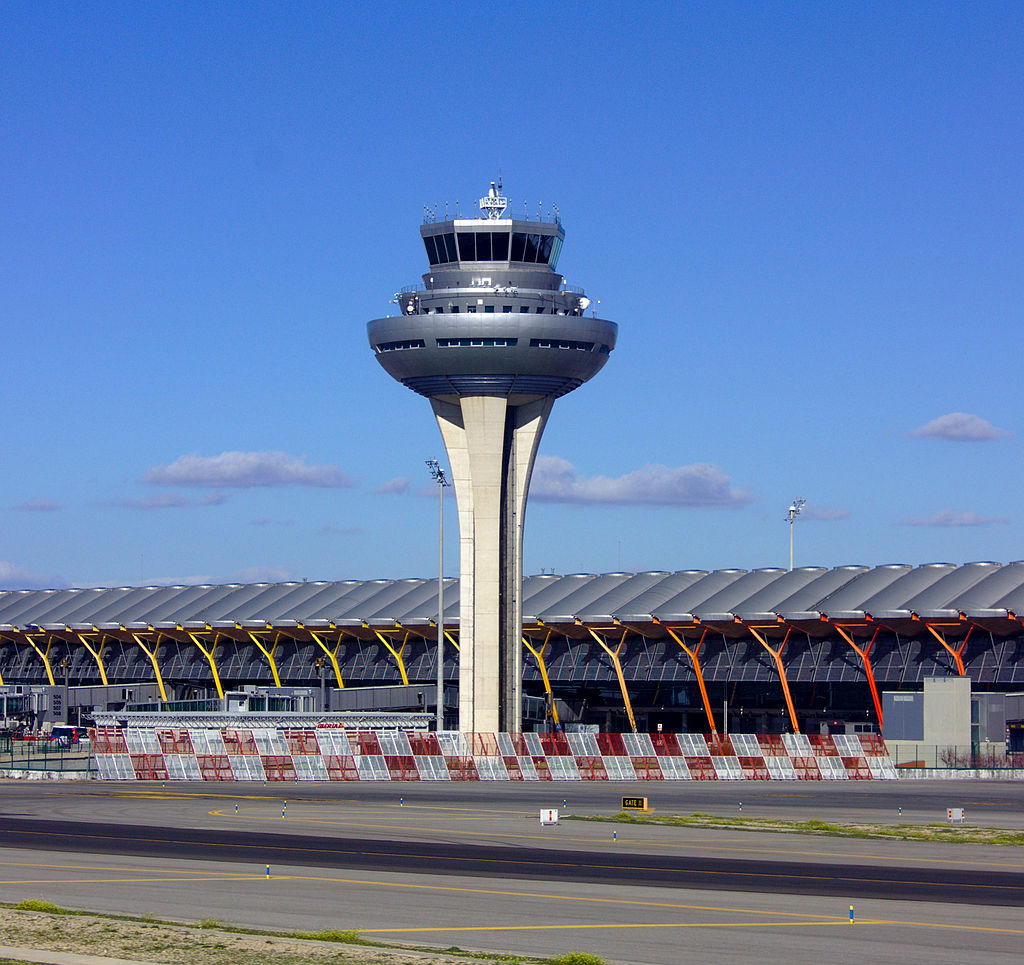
(493, 316)
(492, 338)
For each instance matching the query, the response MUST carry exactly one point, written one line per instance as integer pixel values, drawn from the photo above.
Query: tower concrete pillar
(491, 449)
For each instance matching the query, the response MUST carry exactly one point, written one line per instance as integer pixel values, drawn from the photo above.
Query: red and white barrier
(331, 754)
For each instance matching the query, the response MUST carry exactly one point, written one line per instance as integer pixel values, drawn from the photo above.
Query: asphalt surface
(623, 868)
(470, 866)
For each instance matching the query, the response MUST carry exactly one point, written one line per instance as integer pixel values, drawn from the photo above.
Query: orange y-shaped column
(777, 657)
(694, 655)
(958, 653)
(865, 655)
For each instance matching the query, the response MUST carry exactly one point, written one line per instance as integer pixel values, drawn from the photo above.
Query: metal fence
(907, 756)
(45, 755)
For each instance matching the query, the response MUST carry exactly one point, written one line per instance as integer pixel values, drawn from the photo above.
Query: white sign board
(955, 815)
(549, 815)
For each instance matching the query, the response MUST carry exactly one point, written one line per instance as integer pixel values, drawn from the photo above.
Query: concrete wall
(903, 716)
(947, 710)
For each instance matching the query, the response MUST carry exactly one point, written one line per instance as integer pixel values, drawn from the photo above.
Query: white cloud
(248, 574)
(197, 579)
(245, 469)
(947, 517)
(14, 577)
(169, 500)
(260, 574)
(159, 501)
(397, 485)
(556, 481)
(38, 506)
(960, 427)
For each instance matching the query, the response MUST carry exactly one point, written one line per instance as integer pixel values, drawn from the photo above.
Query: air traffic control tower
(492, 338)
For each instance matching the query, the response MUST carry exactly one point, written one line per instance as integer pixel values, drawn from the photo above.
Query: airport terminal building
(765, 651)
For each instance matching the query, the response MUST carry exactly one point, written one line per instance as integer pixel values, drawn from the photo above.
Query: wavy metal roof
(895, 592)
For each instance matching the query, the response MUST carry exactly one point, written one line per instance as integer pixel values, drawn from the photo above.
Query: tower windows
(535, 249)
(483, 245)
(562, 344)
(399, 346)
(440, 248)
(476, 342)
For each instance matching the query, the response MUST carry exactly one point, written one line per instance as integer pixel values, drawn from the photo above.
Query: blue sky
(805, 217)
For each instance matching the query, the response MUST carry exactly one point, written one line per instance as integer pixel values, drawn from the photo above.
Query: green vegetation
(578, 958)
(37, 904)
(899, 832)
(347, 936)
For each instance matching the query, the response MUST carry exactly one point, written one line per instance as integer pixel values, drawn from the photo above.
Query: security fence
(45, 755)
(907, 755)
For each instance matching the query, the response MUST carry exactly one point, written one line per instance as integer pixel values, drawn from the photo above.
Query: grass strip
(899, 832)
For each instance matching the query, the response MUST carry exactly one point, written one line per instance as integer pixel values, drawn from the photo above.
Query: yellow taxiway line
(647, 842)
(763, 918)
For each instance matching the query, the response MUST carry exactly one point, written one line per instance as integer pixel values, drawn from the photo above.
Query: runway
(611, 867)
(473, 868)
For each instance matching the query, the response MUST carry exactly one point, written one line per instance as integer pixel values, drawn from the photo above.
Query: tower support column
(491, 447)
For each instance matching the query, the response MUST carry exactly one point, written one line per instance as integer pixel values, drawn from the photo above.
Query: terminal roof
(896, 594)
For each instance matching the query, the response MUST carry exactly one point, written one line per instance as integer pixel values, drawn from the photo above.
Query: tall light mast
(791, 515)
(492, 338)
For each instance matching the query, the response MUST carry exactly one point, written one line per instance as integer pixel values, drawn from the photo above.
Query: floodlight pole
(791, 515)
(437, 474)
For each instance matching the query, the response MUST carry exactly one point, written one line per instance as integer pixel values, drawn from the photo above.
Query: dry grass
(41, 925)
